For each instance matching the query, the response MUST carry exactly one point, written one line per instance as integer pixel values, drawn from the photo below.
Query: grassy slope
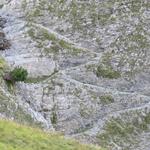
(17, 137)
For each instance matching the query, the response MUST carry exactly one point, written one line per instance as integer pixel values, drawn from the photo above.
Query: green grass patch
(64, 44)
(16, 137)
(107, 72)
(3, 66)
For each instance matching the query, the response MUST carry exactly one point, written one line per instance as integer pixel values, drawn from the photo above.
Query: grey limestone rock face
(88, 64)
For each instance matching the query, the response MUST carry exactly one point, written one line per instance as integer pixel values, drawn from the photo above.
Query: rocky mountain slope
(89, 68)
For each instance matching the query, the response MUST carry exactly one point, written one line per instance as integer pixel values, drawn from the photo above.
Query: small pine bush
(18, 74)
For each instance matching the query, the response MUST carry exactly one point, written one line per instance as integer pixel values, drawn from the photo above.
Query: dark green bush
(18, 74)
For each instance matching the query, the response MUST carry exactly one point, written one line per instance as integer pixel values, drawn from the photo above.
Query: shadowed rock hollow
(89, 67)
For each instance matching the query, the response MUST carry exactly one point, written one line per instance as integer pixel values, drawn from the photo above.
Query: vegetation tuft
(18, 74)
(107, 72)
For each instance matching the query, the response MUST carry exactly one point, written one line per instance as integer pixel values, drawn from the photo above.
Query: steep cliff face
(89, 69)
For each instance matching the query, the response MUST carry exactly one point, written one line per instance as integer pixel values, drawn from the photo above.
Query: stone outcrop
(4, 43)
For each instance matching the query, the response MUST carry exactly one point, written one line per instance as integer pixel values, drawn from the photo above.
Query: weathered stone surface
(2, 22)
(89, 67)
(4, 43)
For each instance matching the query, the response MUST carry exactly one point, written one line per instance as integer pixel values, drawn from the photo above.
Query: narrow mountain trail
(22, 53)
(26, 58)
(65, 39)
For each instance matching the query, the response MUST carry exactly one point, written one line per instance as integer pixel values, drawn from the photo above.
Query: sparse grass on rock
(124, 131)
(106, 99)
(107, 72)
(3, 66)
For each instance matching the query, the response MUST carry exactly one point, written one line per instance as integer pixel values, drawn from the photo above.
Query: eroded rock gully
(62, 49)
